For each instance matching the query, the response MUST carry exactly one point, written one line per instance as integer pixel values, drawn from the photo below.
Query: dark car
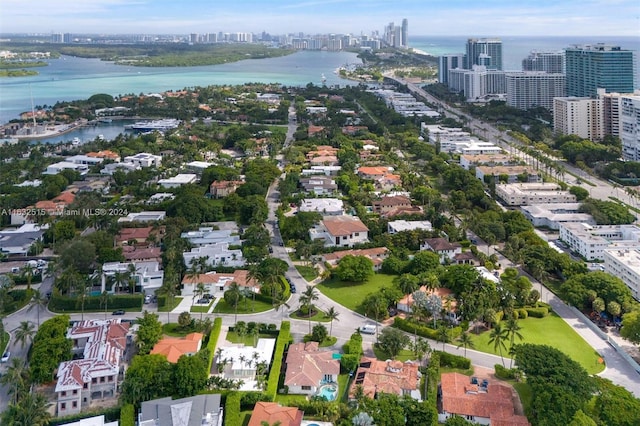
(293, 288)
(118, 312)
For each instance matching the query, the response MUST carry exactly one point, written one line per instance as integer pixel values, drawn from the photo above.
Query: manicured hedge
(454, 361)
(92, 303)
(232, 410)
(433, 377)
(540, 312)
(127, 415)
(274, 373)
(504, 373)
(213, 339)
(353, 345)
(17, 300)
(248, 399)
(522, 313)
(423, 330)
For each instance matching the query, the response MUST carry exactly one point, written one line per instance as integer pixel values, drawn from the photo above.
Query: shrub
(522, 313)
(249, 399)
(232, 410)
(349, 363)
(110, 414)
(422, 330)
(278, 354)
(60, 303)
(213, 339)
(127, 415)
(537, 312)
(433, 377)
(454, 361)
(504, 373)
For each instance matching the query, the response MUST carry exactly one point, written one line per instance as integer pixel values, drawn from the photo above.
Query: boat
(105, 120)
(149, 126)
(75, 141)
(323, 78)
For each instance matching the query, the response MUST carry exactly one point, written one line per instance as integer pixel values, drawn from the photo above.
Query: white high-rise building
(630, 126)
(449, 62)
(551, 62)
(529, 89)
(478, 82)
(578, 116)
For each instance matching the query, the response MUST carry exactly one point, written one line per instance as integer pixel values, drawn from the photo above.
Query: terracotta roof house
(392, 377)
(340, 231)
(272, 412)
(106, 154)
(223, 188)
(353, 130)
(173, 348)
(446, 250)
(139, 235)
(376, 254)
(373, 173)
(101, 345)
(324, 160)
(141, 254)
(56, 205)
(307, 368)
(487, 403)
(216, 284)
(389, 203)
(315, 130)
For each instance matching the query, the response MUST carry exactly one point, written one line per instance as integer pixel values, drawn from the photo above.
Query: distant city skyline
(434, 17)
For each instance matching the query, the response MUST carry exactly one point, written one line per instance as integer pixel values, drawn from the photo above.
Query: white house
(396, 226)
(308, 368)
(19, 241)
(240, 361)
(442, 247)
(144, 159)
(178, 180)
(55, 168)
(217, 283)
(146, 274)
(324, 206)
(624, 264)
(553, 215)
(590, 241)
(207, 235)
(216, 254)
(146, 216)
(340, 231)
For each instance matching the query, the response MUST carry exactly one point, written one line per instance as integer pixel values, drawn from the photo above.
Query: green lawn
(404, 355)
(201, 308)
(524, 391)
(176, 301)
(351, 295)
(320, 316)
(243, 308)
(309, 273)
(285, 400)
(173, 329)
(4, 340)
(343, 387)
(552, 331)
(233, 337)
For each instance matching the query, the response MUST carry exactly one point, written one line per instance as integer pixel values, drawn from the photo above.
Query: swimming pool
(329, 391)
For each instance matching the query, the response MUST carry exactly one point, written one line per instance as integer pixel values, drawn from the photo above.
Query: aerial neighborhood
(398, 253)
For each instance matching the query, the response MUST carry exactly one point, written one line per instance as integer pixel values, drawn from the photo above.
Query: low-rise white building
(111, 168)
(396, 226)
(216, 254)
(207, 235)
(324, 206)
(148, 216)
(520, 194)
(590, 241)
(178, 180)
(198, 166)
(468, 161)
(144, 159)
(147, 275)
(340, 231)
(511, 173)
(241, 362)
(624, 263)
(553, 215)
(55, 168)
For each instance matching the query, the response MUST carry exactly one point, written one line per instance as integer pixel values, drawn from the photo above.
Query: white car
(368, 329)
(5, 357)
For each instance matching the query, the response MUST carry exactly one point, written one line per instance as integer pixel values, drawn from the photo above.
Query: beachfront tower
(590, 67)
(484, 51)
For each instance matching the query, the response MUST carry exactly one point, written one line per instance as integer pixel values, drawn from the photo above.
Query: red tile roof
(392, 377)
(272, 412)
(307, 366)
(173, 348)
(343, 225)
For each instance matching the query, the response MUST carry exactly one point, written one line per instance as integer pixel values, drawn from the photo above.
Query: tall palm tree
(310, 295)
(443, 336)
(24, 333)
(31, 410)
(465, 340)
(104, 300)
(255, 333)
(497, 336)
(513, 330)
(199, 292)
(332, 314)
(131, 281)
(38, 301)
(232, 296)
(169, 289)
(17, 379)
(254, 276)
(27, 274)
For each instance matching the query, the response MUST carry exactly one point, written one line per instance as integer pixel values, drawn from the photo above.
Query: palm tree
(24, 333)
(307, 298)
(38, 300)
(497, 336)
(169, 290)
(131, 280)
(332, 314)
(465, 341)
(16, 378)
(254, 276)
(104, 300)
(31, 410)
(27, 273)
(443, 335)
(120, 279)
(200, 291)
(232, 296)
(255, 333)
(513, 330)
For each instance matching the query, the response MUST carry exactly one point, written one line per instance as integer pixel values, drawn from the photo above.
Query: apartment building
(578, 116)
(590, 242)
(520, 194)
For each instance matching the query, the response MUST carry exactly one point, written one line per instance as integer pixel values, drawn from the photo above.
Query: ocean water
(516, 48)
(71, 78)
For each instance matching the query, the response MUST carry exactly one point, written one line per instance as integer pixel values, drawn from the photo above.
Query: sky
(426, 17)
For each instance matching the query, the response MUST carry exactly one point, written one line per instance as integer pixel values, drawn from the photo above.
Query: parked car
(5, 356)
(203, 301)
(292, 287)
(118, 312)
(147, 299)
(368, 329)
